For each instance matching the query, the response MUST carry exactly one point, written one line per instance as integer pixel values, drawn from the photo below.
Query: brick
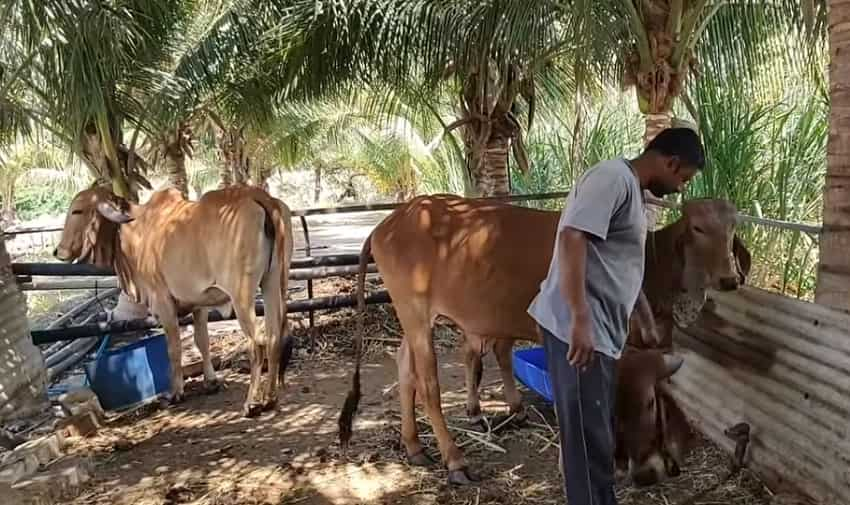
(82, 400)
(196, 368)
(80, 425)
(26, 459)
(56, 483)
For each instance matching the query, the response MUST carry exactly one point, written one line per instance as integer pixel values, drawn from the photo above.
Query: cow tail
(278, 228)
(284, 246)
(352, 400)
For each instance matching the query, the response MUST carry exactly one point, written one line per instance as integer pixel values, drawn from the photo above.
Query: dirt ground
(204, 452)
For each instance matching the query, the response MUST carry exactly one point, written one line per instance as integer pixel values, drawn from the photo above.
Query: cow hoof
(213, 386)
(672, 468)
(252, 410)
(270, 405)
(478, 423)
(518, 421)
(462, 477)
(420, 459)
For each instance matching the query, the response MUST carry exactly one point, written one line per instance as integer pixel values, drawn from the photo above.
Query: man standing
(584, 303)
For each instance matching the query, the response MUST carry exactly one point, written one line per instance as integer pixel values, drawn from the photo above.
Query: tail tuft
(349, 410)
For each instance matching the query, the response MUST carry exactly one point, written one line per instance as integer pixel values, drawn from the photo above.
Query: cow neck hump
(126, 241)
(663, 265)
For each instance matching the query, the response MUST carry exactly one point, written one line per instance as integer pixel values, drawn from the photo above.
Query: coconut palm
(833, 285)
(487, 55)
(424, 49)
(22, 373)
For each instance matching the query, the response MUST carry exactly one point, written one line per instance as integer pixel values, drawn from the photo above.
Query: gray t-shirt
(607, 203)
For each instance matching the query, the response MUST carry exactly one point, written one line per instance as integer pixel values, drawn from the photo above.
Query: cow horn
(672, 364)
(111, 212)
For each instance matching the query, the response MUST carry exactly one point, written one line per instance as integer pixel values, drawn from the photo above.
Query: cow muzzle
(657, 468)
(61, 255)
(650, 472)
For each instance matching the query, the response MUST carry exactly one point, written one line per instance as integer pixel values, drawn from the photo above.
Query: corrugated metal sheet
(783, 366)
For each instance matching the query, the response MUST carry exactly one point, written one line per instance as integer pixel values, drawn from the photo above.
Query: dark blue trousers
(584, 403)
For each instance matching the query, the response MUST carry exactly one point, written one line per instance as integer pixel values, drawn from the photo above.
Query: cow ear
(110, 211)
(743, 258)
(672, 364)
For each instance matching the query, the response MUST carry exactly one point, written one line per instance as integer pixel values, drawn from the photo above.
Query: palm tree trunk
(23, 381)
(833, 283)
(317, 182)
(176, 169)
(654, 123)
(231, 144)
(264, 172)
(488, 167)
(177, 144)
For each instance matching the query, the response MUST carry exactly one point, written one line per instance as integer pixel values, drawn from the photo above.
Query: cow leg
(428, 385)
(474, 370)
(212, 382)
(416, 455)
(168, 317)
(243, 305)
(276, 329)
(503, 349)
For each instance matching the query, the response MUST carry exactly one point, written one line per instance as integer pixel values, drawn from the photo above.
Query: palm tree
(833, 284)
(487, 57)
(22, 373)
(487, 54)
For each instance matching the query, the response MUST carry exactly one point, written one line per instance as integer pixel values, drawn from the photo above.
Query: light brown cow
(479, 264)
(179, 256)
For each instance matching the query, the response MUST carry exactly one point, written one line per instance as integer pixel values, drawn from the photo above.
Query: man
(584, 303)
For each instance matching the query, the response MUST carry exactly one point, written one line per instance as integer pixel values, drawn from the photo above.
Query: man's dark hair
(681, 142)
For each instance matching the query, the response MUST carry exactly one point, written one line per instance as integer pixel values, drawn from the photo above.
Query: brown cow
(683, 259)
(179, 256)
(478, 264)
(652, 433)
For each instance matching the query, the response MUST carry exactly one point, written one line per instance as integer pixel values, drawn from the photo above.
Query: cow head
(91, 227)
(652, 433)
(711, 253)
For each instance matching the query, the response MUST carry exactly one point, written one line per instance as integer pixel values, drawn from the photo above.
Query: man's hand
(581, 344)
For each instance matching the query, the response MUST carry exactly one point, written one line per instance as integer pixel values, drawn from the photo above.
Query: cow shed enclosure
(779, 364)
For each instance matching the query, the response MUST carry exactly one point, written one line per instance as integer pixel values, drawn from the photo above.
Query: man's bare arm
(573, 260)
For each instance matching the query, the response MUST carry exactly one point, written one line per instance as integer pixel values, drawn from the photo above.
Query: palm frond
(768, 44)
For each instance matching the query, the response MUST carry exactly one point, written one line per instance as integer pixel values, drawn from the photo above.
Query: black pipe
(85, 269)
(92, 330)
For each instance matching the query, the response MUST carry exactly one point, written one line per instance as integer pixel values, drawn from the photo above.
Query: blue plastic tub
(530, 369)
(124, 377)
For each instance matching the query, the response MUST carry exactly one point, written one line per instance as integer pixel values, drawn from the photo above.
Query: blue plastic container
(530, 369)
(132, 374)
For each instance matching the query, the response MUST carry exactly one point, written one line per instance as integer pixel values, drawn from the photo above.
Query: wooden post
(833, 283)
